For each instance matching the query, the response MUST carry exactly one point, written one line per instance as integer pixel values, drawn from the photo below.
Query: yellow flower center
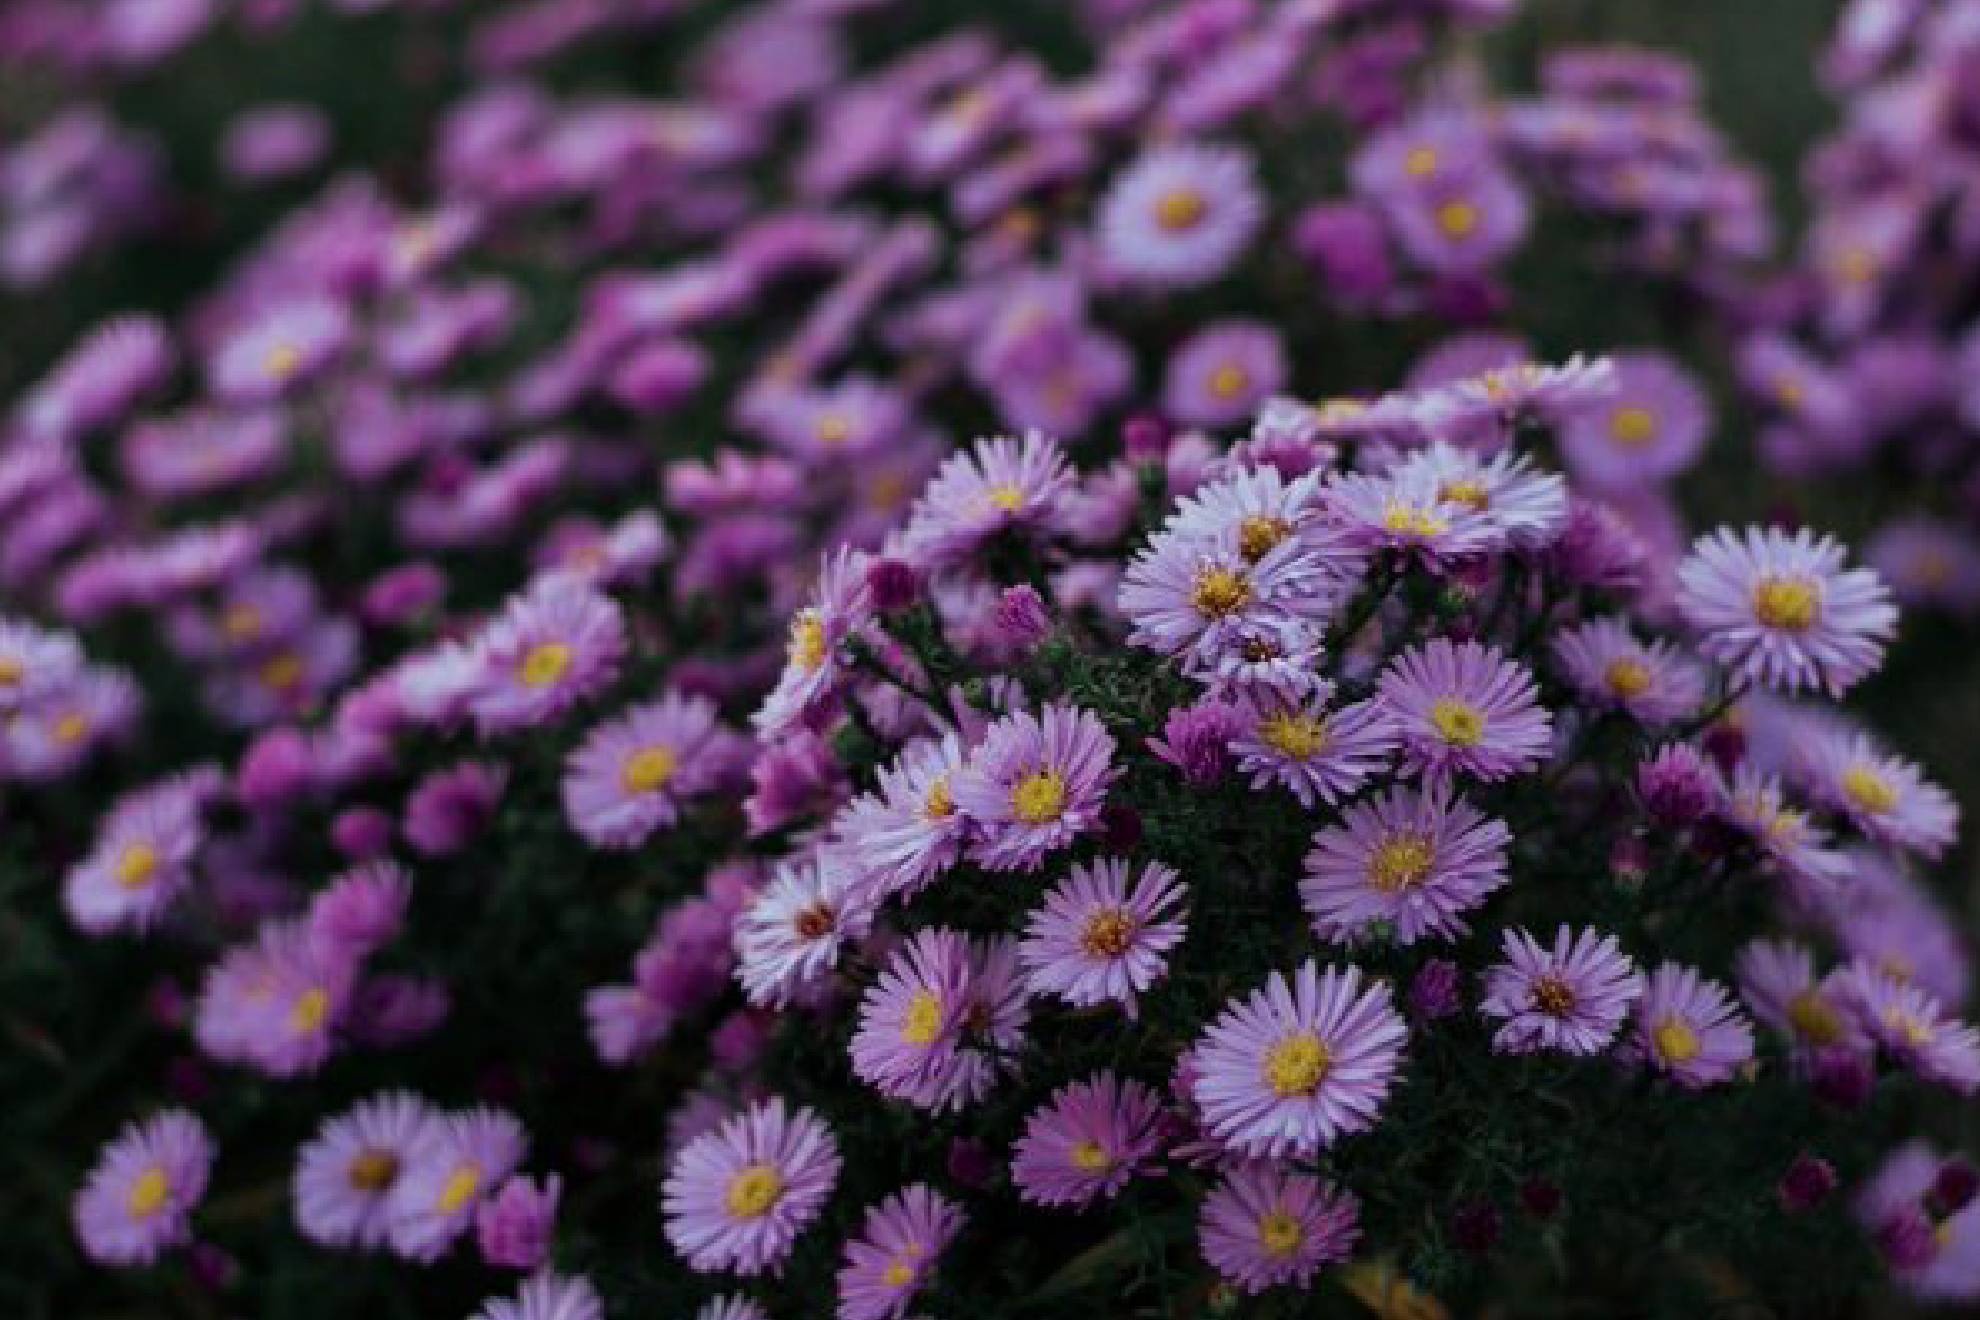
(1632, 427)
(808, 642)
(898, 1274)
(1091, 1157)
(1108, 933)
(149, 1193)
(940, 804)
(1279, 1233)
(923, 1023)
(545, 664)
(649, 769)
(312, 1006)
(1297, 1065)
(1180, 209)
(1813, 1019)
(1627, 677)
(1457, 219)
(753, 1192)
(833, 429)
(1856, 265)
(1915, 1033)
(281, 360)
(1788, 603)
(1676, 1042)
(137, 866)
(373, 1171)
(1294, 734)
(283, 673)
(1401, 861)
(1420, 163)
(241, 623)
(1259, 535)
(1219, 593)
(1457, 722)
(1469, 492)
(1040, 797)
(1006, 496)
(1405, 519)
(1553, 996)
(72, 728)
(1229, 381)
(1868, 790)
(12, 671)
(460, 1189)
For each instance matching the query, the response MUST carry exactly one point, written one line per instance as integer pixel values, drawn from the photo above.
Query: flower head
(1573, 997)
(344, 1176)
(897, 1250)
(1088, 1142)
(1416, 859)
(1687, 1028)
(1034, 784)
(1466, 709)
(1180, 215)
(1265, 1226)
(631, 774)
(458, 1161)
(1103, 937)
(554, 645)
(139, 1199)
(737, 1198)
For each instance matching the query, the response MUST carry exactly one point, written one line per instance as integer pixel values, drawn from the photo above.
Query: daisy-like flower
(1410, 512)
(1300, 1063)
(34, 662)
(1266, 1226)
(909, 1041)
(1651, 429)
(1790, 843)
(1777, 981)
(1573, 997)
(1208, 598)
(1000, 485)
(1882, 795)
(1222, 373)
(1687, 1028)
(460, 1160)
(1088, 1142)
(554, 645)
(1910, 1025)
(50, 738)
(1101, 937)
(1180, 215)
(814, 660)
(1465, 709)
(344, 1177)
(901, 838)
(1651, 681)
(897, 1250)
(1526, 508)
(737, 1198)
(1320, 754)
(1781, 609)
(790, 934)
(631, 774)
(1417, 859)
(283, 347)
(1034, 784)
(139, 1199)
(141, 861)
(547, 1296)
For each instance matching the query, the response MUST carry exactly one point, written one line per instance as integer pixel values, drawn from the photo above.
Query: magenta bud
(894, 584)
(1806, 1184)
(277, 768)
(361, 833)
(1145, 438)
(400, 595)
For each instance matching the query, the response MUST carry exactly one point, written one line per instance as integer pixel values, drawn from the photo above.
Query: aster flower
(1611, 669)
(1687, 1028)
(459, 1159)
(1409, 511)
(1180, 215)
(1524, 508)
(141, 861)
(909, 1041)
(1651, 429)
(1101, 937)
(1300, 1063)
(1205, 598)
(904, 836)
(1777, 981)
(554, 645)
(1223, 372)
(737, 1198)
(344, 1176)
(1196, 739)
(789, 935)
(1909, 1025)
(1790, 843)
(1266, 1226)
(280, 348)
(50, 738)
(1884, 796)
(1034, 784)
(1417, 860)
(1465, 709)
(514, 1227)
(138, 1200)
(1088, 1142)
(1573, 997)
(34, 662)
(815, 660)
(897, 1250)
(1322, 754)
(1782, 610)
(999, 486)
(547, 1296)
(631, 774)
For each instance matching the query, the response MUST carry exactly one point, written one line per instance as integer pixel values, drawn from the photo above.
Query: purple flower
(925, 1024)
(1883, 796)
(1417, 860)
(902, 837)
(1678, 786)
(1466, 709)
(1573, 997)
(1611, 670)
(1932, 1259)
(1320, 755)
(631, 774)
(1651, 429)
(898, 1248)
(345, 1174)
(1687, 1028)
(998, 486)
(1435, 992)
(139, 1199)
(458, 1160)
(1525, 509)
(1101, 937)
(448, 809)
(1266, 1226)
(1197, 740)
(514, 1227)
(1088, 1142)
(554, 645)
(547, 1296)
(737, 1198)
(789, 936)
(279, 348)
(362, 909)
(141, 861)
(1034, 784)
(1909, 1025)
(1223, 372)
(815, 660)
(1180, 215)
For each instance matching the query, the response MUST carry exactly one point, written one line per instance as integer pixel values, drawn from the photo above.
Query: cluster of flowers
(79, 183)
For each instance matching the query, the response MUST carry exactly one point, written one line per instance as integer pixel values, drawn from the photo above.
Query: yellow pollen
(648, 769)
(312, 1006)
(1420, 163)
(1297, 1065)
(815, 922)
(923, 1024)
(1627, 677)
(1790, 393)
(1788, 603)
(1458, 723)
(1229, 381)
(460, 1189)
(940, 804)
(1405, 519)
(1180, 209)
(282, 673)
(1005, 496)
(1091, 1157)
(833, 429)
(1259, 535)
(1553, 996)
(1279, 1233)
(1814, 1021)
(1219, 593)
(808, 642)
(148, 1193)
(281, 361)
(1457, 219)
(1040, 797)
(241, 623)
(899, 1274)
(545, 664)
(137, 866)
(1675, 1040)
(753, 1192)
(1916, 1034)
(373, 1171)
(12, 671)
(1293, 734)
(71, 728)
(1856, 265)
(1471, 494)
(1632, 427)
(1108, 933)
(1868, 790)
(1401, 861)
